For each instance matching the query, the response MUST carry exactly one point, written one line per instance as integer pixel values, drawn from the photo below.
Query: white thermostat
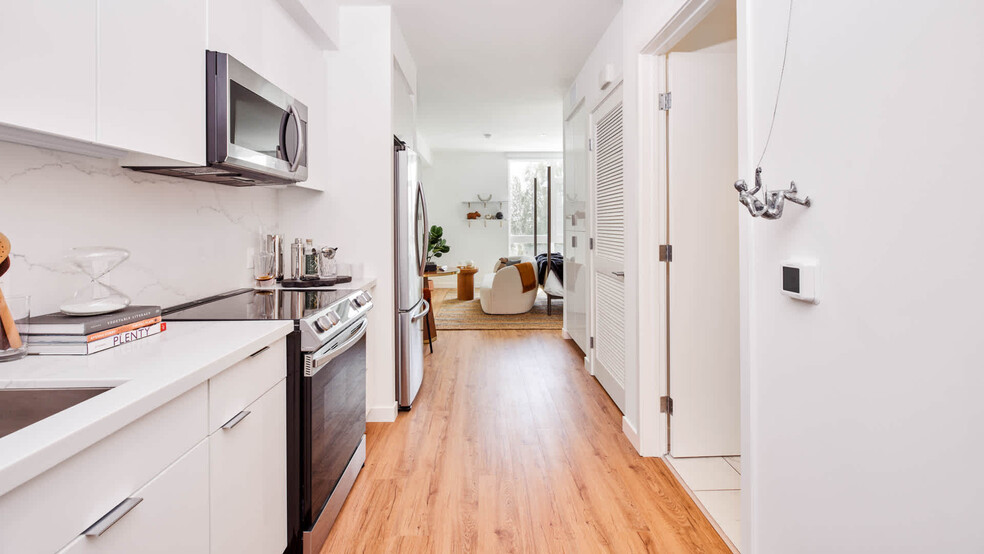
(801, 281)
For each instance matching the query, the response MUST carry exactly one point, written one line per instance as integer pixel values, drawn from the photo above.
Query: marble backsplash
(187, 239)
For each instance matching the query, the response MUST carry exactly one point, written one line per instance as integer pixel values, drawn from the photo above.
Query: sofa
(502, 293)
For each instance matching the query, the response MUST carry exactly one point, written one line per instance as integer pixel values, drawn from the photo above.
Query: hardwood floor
(512, 447)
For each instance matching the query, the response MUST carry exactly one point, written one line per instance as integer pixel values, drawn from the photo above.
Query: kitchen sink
(22, 407)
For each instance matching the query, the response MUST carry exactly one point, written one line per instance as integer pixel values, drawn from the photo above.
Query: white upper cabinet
(265, 37)
(48, 66)
(151, 78)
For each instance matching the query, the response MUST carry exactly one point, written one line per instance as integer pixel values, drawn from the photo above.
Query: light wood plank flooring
(512, 447)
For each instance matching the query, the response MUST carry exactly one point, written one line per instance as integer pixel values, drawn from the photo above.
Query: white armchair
(502, 291)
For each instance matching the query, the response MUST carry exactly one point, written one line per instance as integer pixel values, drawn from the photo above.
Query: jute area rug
(455, 314)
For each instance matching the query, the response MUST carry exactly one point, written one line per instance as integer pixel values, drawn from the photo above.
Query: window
(522, 172)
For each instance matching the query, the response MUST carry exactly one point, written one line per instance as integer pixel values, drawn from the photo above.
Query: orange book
(122, 329)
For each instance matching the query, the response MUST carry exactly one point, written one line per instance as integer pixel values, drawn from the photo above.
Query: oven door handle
(321, 358)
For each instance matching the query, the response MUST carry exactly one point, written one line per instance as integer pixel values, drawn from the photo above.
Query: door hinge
(665, 405)
(665, 99)
(591, 342)
(590, 145)
(666, 253)
(591, 243)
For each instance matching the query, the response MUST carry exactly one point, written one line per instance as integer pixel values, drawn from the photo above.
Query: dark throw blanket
(556, 265)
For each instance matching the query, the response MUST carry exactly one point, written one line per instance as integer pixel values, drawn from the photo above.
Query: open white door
(702, 133)
(608, 255)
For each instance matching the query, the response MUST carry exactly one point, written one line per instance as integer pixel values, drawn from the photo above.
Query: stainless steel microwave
(256, 134)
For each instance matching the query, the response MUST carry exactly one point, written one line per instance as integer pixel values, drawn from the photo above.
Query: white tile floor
(716, 482)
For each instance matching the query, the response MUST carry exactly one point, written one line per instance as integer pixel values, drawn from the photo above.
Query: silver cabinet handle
(260, 351)
(236, 419)
(112, 516)
(300, 138)
(618, 273)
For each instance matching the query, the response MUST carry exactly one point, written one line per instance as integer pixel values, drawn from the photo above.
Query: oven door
(333, 397)
(253, 125)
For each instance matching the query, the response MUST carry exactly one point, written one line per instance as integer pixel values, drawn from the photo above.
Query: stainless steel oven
(326, 394)
(334, 402)
(256, 133)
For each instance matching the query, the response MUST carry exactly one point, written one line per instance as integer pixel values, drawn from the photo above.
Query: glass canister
(328, 266)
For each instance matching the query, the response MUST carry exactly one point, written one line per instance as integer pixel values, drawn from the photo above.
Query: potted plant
(436, 247)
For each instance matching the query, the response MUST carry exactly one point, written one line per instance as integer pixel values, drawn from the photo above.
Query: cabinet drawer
(171, 515)
(248, 468)
(50, 510)
(239, 386)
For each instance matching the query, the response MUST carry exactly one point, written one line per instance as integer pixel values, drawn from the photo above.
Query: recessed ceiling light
(487, 135)
(543, 135)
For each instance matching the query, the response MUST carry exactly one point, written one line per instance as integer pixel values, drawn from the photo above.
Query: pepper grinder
(275, 245)
(296, 259)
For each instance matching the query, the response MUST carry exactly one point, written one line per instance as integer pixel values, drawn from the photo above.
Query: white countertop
(146, 375)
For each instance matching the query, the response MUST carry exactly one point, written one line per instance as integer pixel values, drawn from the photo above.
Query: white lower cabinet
(203, 488)
(248, 478)
(171, 516)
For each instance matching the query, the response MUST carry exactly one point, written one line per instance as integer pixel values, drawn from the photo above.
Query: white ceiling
(497, 66)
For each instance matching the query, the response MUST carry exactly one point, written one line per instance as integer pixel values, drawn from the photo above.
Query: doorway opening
(697, 118)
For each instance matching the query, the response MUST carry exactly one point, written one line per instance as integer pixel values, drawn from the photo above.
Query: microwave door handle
(300, 138)
(321, 359)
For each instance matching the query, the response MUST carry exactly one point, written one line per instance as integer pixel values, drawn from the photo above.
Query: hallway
(512, 447)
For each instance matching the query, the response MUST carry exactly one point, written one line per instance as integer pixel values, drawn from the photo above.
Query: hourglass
(96, 297)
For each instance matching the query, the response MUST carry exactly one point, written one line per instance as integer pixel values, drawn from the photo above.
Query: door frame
(653, 436)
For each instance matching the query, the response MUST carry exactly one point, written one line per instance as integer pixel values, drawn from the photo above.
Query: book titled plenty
(41, 345)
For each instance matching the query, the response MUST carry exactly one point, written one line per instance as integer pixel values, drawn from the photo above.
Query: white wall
(586, 85)
(456, 176)
(866, 408)
(187, 239)
(862, 410)
(355, 212)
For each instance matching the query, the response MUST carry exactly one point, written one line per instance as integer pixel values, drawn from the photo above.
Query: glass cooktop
(249, 304)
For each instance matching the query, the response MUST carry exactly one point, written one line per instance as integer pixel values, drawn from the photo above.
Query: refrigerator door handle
(422, 313)
(423, 207)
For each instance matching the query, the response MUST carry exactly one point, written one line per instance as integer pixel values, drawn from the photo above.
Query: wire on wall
(771, 207)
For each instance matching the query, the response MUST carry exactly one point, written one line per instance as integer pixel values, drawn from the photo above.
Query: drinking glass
(263, 270)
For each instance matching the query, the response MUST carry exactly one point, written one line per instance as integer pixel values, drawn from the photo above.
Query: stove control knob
(366, 297)
(327, 321)
(356, 303)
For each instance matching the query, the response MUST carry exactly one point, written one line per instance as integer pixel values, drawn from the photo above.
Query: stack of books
(74, 335)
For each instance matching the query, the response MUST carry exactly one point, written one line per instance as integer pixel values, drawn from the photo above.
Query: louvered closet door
(608, 256)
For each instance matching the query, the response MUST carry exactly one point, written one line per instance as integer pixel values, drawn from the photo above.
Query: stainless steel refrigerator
(412, 234)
